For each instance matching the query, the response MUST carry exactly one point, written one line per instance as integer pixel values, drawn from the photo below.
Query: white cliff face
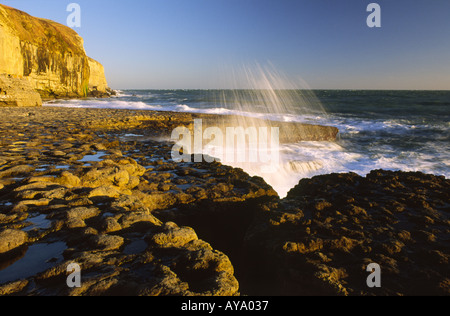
(49, 55)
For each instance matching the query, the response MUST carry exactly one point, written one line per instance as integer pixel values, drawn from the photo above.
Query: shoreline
(81, 185)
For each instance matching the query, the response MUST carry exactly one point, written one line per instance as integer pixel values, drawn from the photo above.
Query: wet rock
(68, 179)
(75, 218)
(207, 271)
(55, 193)
(99, 147)
(323, 247)
(16, 171)
(156, 201)
(75, 223)
(133, 182)
(13, 288)
(106, 176)
(128, 203)
(82, 213)
(58, 153)
(5, 219)
(110, 225)
(172, 236)
(105, 191)
(107, 242)
(140, 218)
(11, 239)
(35, 185)
(23, 206)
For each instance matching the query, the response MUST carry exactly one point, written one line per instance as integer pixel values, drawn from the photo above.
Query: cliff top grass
(40, 32)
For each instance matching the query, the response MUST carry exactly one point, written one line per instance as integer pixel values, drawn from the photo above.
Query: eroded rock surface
(98, 193)
(330, 228)
(74, 188)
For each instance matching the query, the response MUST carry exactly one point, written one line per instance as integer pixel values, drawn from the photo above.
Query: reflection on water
(38, 222)
(94, 158)
(31, 261)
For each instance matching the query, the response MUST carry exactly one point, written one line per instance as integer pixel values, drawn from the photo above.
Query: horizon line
(303, 89)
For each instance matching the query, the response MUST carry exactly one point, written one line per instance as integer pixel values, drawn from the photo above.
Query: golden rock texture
(50, 56)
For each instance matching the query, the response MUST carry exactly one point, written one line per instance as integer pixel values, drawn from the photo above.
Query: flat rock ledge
(95, 188)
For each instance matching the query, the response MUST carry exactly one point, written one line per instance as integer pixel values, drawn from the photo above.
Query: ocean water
(392, 130)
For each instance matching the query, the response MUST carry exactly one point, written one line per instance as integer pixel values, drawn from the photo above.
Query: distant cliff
(46, 56)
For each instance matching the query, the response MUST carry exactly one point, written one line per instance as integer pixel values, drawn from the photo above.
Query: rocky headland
(46, 57)
(98, 187)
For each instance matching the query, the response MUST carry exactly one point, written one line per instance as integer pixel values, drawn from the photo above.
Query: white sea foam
(141, 105)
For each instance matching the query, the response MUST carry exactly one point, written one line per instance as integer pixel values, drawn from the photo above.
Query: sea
(391, 130)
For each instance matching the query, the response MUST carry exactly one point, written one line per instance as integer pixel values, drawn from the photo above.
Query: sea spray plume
(281, 101)
(269, 108)
(272, 92)
(275, 98)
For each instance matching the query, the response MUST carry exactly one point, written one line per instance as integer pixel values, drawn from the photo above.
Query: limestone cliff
(49, 55)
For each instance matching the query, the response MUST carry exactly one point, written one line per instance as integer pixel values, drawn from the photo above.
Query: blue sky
(191, 44)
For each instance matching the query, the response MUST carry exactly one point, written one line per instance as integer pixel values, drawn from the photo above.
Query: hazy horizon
(319, 45)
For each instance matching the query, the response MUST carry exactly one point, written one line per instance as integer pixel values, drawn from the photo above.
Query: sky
(319, 44)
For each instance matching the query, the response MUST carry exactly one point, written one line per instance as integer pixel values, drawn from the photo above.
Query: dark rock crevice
(321, 238)
(224, 226)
